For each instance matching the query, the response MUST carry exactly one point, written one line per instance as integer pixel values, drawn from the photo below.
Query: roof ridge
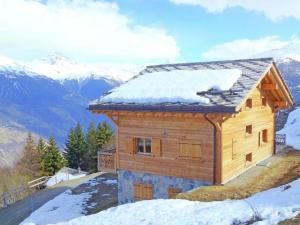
(211, 62)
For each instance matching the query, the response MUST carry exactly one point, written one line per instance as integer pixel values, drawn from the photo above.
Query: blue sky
(196, 30)
(146, 32)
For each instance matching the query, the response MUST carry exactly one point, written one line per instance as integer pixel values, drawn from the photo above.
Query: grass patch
(283, 169)
(293, 221)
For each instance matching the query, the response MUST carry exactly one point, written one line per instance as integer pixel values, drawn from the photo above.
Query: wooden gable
(274, 89)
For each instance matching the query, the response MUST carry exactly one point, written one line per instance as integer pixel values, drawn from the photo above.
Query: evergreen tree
(70, 153)
(31, 160)
(92, 148)
(76, 149)
(53, 159)
(41, 147)
(104, 134)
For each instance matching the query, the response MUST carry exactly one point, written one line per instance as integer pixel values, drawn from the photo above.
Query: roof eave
(163, 108)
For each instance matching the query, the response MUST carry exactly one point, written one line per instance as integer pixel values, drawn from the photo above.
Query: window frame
(136, 145)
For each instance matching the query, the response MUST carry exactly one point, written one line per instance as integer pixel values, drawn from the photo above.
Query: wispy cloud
(84, 28)
(271, 46)
(274, 10)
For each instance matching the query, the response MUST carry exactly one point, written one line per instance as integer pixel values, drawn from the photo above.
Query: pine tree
(53, 159)
(92, 148)
(31, 160)
(76, 149)
(104, 134)
(70, 153)
(41, 147)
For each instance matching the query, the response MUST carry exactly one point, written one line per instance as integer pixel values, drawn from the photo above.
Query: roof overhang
(162, 108)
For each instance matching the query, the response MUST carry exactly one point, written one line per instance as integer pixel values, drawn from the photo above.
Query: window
(248, 130)
(143, 192)
(263, 101)
(189, 149)
(249, 103)
(172, 192)
(249, 157)
(143, 145)
(265, 135)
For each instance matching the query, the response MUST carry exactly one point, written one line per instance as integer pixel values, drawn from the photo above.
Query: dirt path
(17, 212)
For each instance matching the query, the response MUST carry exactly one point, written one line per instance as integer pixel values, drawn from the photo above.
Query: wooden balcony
(107, 161)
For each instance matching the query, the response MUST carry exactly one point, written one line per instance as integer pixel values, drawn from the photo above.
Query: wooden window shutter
(137, 191)
(156, 147)
(195, 151)
(143, 191)
(184, 150)
(130, 147)
(148, 192)
(190, 149)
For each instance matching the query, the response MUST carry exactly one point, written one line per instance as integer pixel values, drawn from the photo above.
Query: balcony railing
(107, 161)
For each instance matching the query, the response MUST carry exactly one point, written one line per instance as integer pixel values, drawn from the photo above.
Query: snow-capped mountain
(290, 70)
(45, 106)
(59, 67)
(289, 51)
(287, 58)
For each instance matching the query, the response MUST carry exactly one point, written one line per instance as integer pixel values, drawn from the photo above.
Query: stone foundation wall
(127, 179)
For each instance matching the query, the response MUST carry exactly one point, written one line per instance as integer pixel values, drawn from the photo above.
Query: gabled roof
(252, 71)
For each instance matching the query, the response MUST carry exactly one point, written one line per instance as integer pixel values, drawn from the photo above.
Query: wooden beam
(281, 104)
(272, 86)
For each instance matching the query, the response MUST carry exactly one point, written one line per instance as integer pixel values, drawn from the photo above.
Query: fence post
(5, 203)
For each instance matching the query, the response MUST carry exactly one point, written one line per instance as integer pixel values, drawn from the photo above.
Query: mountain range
(31, 101)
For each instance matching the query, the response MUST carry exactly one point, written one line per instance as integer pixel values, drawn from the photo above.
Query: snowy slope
(292, 129)
(270, 207)
(71, 204)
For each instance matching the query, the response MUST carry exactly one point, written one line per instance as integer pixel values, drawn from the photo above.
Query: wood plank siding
(168, 134)
(238, 139)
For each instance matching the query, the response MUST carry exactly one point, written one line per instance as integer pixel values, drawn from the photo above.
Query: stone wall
(127, 179)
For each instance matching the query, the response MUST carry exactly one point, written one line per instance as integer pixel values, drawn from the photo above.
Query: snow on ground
(292, 129)
(108, 182)
(270, 206)
(62, 208)
(68, 205)
(62, 176)
(156, 87)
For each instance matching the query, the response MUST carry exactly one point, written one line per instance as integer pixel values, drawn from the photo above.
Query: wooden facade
(212, 146)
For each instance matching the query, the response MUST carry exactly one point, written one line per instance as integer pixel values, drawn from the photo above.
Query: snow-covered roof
(173, 86)
(205, 86)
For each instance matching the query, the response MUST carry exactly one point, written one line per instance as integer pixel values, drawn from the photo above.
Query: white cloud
(271, 46)
(85, 28)
(272, 9)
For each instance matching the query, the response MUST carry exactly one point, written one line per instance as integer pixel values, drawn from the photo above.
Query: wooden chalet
(166, 147)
